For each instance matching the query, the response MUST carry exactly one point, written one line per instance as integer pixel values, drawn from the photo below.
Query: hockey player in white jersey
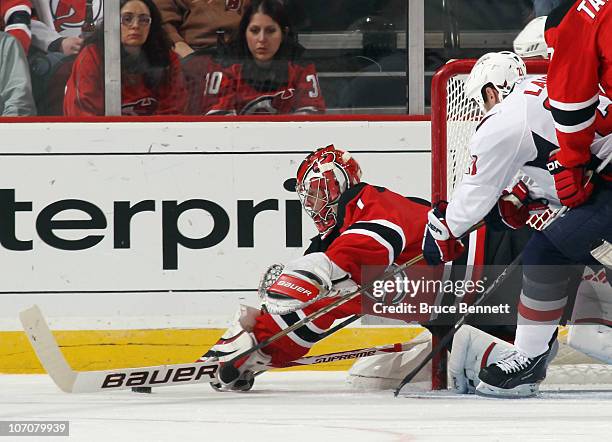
(516, 134)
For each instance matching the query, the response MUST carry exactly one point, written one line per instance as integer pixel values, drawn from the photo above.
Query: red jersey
(203, 74)
(15, 19)
(85, 89)
(297, 92)
(375, 227)
(580, 33)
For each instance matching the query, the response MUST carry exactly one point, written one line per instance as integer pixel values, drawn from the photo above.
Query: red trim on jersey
(539, 315)
(485, 355)
(215, 119)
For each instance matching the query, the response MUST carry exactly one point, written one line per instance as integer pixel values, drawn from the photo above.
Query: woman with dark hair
(151, 77)
(268, 78)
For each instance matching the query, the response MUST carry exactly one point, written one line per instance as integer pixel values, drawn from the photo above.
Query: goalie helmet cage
(453, 122)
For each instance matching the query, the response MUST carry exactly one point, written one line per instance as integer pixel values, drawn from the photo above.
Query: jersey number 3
(314, 91)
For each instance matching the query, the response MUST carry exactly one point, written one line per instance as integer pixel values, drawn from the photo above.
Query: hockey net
(454, 120)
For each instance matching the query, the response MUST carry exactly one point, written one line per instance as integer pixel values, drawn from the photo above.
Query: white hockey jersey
(515, 137)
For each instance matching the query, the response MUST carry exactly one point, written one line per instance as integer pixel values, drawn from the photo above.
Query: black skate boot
(516, 375)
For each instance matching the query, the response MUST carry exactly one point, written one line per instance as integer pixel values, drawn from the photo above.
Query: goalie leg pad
(385, 372)
(591, 329)
(472, 350)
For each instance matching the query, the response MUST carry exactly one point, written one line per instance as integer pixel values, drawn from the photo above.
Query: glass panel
(337, 56)
(471, 28)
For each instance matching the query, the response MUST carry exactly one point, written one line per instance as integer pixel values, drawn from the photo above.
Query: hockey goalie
(359, 225)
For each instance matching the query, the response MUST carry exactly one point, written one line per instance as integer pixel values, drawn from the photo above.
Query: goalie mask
(502, 70)
(321, 179)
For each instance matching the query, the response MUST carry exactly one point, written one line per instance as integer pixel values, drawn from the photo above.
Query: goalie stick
(447, 338)
(72, 381)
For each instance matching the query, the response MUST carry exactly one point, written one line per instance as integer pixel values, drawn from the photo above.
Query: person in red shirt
(269, 78)
(15, 17)
(152, 80)
(579, 33)
(359, 225)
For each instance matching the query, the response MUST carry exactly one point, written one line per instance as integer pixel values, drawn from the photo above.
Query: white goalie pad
(603, 253)
(590, 332)
(472, 350)
(385, 372)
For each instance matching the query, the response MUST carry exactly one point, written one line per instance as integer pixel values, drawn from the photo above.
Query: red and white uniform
(300, 93)
(85, 89)
(375, 227)
(516, 135)
(10, 10)
(580, 35)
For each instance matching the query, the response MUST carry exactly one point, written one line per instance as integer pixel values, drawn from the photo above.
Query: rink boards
(138, 239)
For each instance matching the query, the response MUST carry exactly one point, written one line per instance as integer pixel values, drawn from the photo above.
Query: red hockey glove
(513, 209)
(573, 187)
(439, 244)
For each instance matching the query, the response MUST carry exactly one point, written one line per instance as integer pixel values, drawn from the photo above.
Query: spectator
(57, 26)
(15, 88)
(269, 79)
(15, 17)
(152, 81)
(192, 25)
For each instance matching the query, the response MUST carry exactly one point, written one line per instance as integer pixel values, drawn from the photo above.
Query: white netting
(462, 118)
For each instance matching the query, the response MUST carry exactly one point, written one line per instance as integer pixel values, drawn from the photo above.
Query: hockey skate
(516, 375)
(234, 341)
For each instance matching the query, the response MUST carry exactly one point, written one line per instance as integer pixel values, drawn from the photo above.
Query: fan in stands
(517, 134)
(15, 19)
(359, 224)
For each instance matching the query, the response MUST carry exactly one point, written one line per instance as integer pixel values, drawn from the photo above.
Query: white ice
(304, 406)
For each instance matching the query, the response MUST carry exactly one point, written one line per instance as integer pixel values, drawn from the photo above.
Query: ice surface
(304, 406)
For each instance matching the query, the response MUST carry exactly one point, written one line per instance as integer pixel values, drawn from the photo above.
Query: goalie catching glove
(439, 244)
(300, 283)
(513, 209)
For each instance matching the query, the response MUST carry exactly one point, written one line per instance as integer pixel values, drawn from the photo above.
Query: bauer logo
(160, 376)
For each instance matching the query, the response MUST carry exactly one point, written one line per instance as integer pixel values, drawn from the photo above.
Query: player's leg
(252, 326)
(547, 262)
(297, 343)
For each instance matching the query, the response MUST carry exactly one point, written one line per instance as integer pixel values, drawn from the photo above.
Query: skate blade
(518, 392)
